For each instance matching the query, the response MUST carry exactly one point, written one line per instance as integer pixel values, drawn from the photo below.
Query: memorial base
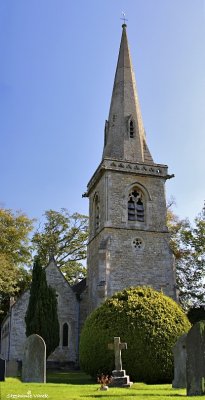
(120, 379)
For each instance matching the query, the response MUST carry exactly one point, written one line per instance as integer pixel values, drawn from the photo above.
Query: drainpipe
(78, 329)
(10, 320)
(12, 302)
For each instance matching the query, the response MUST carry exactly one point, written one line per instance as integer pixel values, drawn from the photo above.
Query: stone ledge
(156, 170)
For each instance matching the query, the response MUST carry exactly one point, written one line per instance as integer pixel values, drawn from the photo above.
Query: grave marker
(195, 345)
(179, 351)
(120, 379)
(2, 369)
(34, 360)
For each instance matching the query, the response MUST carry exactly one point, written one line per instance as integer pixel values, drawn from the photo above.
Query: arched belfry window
(131, 128)
(136, 208)
(65, 334)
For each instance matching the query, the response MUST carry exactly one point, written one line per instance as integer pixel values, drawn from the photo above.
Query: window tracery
(138, 244)
(136, 205)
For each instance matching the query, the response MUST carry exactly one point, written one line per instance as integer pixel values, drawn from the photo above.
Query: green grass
(78, 386)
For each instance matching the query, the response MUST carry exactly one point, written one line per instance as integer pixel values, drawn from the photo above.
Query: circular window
(138, 244)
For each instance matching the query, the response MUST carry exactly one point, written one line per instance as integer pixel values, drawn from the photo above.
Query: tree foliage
(176, 228)
(148, 321)
(15, 253)
(13, 281)
(188, 245)
(41, 316)
(14, 237)
(8, 275)
(63, 236)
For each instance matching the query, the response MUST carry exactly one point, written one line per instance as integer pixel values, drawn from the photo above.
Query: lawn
(78, 386)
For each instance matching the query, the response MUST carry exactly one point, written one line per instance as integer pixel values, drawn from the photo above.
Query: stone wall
(123, 253)
(113, 190)
(18, 327)
(83, 308)
(67, 313)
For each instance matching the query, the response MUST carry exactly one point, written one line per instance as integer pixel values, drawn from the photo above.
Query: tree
(176, 228)
(148, 321)
(14, 237)
(8, 275)
(191, 268)
(188, 245)
(63, 236)
(13, 281)
(15, 254)
(41, 316)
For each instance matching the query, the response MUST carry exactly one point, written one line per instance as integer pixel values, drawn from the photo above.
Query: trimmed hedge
(148, 321)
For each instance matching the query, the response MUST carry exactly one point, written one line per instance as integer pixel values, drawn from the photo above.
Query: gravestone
(179, 351)
(195, 346)
(34, 360)
(2, 369)
(12, 369)
(120, 379)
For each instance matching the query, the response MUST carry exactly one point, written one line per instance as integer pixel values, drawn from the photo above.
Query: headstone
(179, 351)
(195, 345)
(34, 360)
(120, 379)
(2, 369)
(12, 369)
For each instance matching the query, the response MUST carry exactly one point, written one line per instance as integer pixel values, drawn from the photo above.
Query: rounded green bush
(148, 321)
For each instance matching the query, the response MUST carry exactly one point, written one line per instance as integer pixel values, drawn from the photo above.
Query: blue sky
(58, 59)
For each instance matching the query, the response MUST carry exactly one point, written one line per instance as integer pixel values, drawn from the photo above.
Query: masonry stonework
(13, 339)
(129, 242)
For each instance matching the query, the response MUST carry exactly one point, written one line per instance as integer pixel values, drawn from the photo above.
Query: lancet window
(65, 334)
(136, 205)
(96, 212)
(97, 216)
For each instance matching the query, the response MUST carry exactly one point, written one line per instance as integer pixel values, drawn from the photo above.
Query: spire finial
(124, 19)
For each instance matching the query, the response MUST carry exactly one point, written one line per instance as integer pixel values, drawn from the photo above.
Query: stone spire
(124, 132)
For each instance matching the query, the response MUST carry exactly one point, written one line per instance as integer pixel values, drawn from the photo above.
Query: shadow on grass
(72, 378)
(80, 378)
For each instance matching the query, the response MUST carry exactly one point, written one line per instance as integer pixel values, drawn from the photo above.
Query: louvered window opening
(135, 206)
(97, 217)
(132, 129)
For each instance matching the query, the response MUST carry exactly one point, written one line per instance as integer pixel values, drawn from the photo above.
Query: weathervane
(123, 18)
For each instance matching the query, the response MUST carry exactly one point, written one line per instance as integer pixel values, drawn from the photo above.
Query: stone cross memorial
(2, 369)
(117, 347)
(120, 379)
(195, 346)
(34, 360)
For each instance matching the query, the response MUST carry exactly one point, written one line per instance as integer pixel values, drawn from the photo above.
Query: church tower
(129, 240)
